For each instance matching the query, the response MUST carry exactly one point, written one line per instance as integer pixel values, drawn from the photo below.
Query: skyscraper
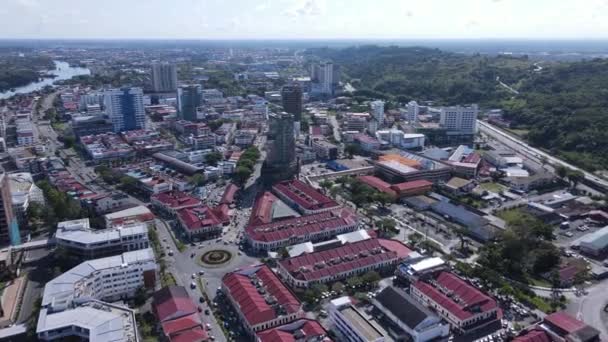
(189, 98)
(281, 158)
(378, 111)
(292, 100)
(9, 228)
(164, 77)
(125, 108)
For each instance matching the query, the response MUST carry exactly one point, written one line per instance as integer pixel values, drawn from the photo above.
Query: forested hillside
(563, 107)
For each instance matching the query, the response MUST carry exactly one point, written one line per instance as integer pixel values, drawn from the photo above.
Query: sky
(304, 19)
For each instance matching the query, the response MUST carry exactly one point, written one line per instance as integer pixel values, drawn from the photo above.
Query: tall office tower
(292, 100)
(412, 111)
(281, 158)
(9, 228)
(125, 108)
(291, 96)
(378, 111)
(189, 98)
(164, 77)
(461, 119)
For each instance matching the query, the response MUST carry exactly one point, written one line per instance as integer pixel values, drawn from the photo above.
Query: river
(62, 70)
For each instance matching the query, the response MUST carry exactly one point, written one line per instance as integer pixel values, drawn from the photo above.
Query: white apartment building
(458, 118)
(25, 132)
(377, 108)
(125, 108)
(106, 279)
(23, 192)
(79, 239)
(412, 112)
(351, 325)
(91, 321)
(89, 284)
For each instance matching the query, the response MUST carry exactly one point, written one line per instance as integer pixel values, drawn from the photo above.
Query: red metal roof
(181, 324)
(304, 195)
(176, 199)
(253, 304)
(463, 296)
(417, 184)
(192, 335)
(301, 226)
(294, 331)
(198, 218)
(228, 196)
(172, 302)
(262, 209)
(565, 322)
(345, 258)
(536, 335)
(378, 184)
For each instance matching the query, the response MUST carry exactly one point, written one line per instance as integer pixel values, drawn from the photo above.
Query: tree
(213, 158)
(197, 180)
(351, 150)
(383, 198)
(561, 171)
(241, 174)
(337, 287)
(387, 226)
(326, 184)
(574, 177)
(354, 282)
(371, 277)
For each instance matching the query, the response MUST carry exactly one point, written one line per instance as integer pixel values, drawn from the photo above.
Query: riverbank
(62, 71)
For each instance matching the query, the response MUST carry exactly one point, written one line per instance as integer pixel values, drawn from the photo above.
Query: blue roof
(459, 214)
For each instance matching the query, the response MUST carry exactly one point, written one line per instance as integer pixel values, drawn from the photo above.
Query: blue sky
(304, 19)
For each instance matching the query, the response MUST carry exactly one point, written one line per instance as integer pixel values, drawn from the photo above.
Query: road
(590, 308)
(522, 147)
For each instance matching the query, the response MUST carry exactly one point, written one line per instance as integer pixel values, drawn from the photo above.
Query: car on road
(193, 285)
(193, 275)
(208, 326)
(206, 311)
(201, 272)
(201, 299)
(170, 253)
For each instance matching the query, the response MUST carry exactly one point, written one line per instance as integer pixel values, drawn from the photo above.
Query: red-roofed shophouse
(342, 262)
(260, 298)
(301, 330)
(460, 303)
(173, 201)
(302, 197)
(178, 315)
(291, 231)
(562, 327)
(200, 222)
(417, 187)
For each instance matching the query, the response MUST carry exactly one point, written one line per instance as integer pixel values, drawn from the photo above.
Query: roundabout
(215, 257)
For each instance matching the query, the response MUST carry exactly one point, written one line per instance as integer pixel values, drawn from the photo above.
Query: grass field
(493, 187)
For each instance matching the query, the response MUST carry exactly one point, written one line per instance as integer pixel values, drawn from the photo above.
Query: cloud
(262, 6)
(307, 8)
(28, 4)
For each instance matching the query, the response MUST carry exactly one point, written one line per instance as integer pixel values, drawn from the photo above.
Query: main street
(185, 268)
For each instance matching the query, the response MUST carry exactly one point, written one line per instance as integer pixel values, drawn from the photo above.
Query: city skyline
(304, 19)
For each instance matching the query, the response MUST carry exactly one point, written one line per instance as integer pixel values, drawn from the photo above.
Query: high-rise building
(125, 108)
(189, 98)
(9, 228)
(412, 111)
(164, 77)
(325, 78)
(378, 111)
(281, 159)
(291, 96)
(459, 119)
